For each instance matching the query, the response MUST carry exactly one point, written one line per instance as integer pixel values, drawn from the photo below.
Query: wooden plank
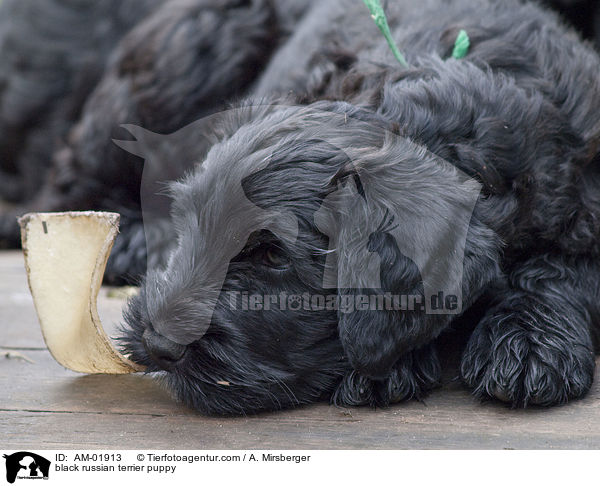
(315, 427)
(46, 386)
(43, 405)
(117, 411)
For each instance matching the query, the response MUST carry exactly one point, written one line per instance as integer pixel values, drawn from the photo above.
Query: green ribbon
(380, 19)
(461, 45)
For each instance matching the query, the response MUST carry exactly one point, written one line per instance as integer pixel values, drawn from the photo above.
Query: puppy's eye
(264, 249)
(275, 257)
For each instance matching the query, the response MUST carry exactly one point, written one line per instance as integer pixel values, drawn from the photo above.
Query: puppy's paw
(529, 355)
(413, 376)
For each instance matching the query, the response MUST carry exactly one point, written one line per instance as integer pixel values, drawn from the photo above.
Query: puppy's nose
(164, 352)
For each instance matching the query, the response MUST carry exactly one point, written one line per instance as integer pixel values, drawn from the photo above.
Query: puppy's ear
(407, 253)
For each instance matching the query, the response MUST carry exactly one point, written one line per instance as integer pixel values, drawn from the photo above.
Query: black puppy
(500, 146)
(519, 115)
(52, 53)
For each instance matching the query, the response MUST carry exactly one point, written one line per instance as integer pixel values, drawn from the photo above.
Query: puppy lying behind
(181, 61)
(476, 176)
(52, 53)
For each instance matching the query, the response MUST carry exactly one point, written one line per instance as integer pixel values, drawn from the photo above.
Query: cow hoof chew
(65, 258)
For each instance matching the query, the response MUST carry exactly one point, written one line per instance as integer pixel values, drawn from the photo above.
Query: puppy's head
(299, 207)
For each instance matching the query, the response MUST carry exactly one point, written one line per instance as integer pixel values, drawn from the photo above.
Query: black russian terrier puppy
(401, 149)
(484, 167)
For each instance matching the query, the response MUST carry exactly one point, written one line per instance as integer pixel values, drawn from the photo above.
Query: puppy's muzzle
(164, 352)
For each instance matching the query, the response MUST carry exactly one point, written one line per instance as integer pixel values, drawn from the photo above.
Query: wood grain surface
(42, 405)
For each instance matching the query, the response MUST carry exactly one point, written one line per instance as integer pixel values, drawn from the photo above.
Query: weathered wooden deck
(43, 406)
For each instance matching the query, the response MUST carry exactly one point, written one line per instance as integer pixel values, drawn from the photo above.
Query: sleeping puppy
(52, 53)
(453, 181)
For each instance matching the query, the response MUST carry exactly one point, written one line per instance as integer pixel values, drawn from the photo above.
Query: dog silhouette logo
(26, 465)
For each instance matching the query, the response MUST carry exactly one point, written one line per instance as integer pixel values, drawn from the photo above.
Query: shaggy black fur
(520, 114)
